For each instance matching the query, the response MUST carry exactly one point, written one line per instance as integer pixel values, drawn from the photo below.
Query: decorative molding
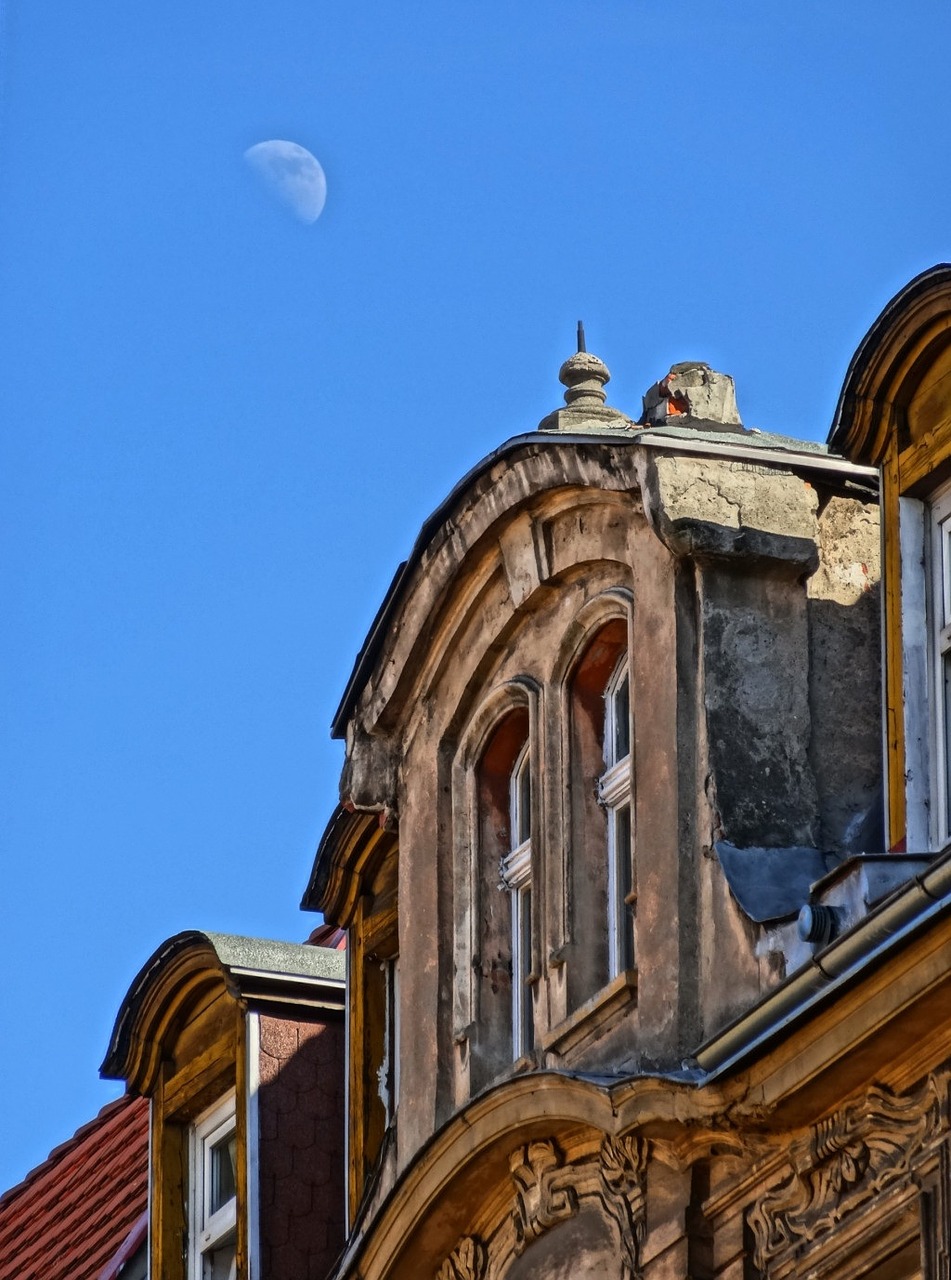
(466, 1262)
(544, 1193)
(845, 1159)
(622, 1170)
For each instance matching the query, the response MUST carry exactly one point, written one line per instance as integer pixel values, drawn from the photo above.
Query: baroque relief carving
(845, 1159)
(544, 1192)
(623, 1174)
(466, 1262)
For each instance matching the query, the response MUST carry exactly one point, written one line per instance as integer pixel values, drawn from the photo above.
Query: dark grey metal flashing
(320, 871)
(882, 873)
(772, 884)
(909, 911)
(769, 449)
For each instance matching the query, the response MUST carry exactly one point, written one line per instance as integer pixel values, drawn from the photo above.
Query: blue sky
(222, 427)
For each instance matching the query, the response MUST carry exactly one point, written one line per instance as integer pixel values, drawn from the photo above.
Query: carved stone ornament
(623, 1176)
(843, 1161)
(544, 1193)
(466, 1262)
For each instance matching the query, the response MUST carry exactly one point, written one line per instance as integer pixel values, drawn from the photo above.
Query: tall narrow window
(517, 879)
(213, 1196)
(940, 626)
(615, 793)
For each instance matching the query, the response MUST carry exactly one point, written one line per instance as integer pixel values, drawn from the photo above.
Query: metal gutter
(652, 437)
(907, 912)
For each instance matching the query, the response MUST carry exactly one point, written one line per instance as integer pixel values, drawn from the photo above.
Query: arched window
(600, 871)
(614, 790)
(516, 868)
(500, 897)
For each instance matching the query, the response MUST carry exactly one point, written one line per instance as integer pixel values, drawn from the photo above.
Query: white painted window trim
(388, 1076)
(939, 628)
(253, 1076)
(516, 871)
(615, 794)
(208, 1231)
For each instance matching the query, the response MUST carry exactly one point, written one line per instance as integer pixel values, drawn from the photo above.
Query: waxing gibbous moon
(293, 174)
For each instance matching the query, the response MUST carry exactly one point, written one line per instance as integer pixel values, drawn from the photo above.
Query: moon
(293, 174)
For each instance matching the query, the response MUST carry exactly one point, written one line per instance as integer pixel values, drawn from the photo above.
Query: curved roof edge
(251, 968)
(761, 445)
(888, 321)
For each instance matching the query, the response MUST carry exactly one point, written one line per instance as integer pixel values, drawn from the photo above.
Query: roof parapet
(693, 395)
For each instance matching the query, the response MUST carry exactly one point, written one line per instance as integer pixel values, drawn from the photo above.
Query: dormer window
(614, 790)
(213, 1195)
(516, 871)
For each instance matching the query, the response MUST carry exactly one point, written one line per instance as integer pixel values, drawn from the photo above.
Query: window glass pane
(221, 1264)
(525, 967)
(624, 881)
(524, 802)
(622, 719)
(945, 750)
(222, 1173)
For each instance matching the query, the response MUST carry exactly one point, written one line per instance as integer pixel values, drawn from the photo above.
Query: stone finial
(693, 395)
(584, 377)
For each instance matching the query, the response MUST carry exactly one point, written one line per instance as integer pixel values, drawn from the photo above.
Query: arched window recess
(494, 771)
(516, 871)
(614, 791)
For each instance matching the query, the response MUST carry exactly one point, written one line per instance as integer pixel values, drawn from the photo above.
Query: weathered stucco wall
(733, 579)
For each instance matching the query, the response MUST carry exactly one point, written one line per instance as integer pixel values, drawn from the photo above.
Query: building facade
(642, 859)
(611, 843)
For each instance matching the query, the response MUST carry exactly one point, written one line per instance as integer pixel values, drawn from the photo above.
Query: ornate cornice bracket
(466, 1262)
(845, 1159)
(544, 1193)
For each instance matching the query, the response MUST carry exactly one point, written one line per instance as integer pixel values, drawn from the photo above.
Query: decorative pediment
(466, 1262)
(604, 1193)
(844, 1160)
(545, 1190)
(623, 1173)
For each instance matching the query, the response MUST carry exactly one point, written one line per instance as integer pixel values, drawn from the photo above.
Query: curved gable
(898, 385)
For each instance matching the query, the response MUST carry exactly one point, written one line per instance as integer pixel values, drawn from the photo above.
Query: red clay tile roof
(68, 1218)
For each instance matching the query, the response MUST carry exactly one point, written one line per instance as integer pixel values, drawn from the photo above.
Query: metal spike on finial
(581, 346)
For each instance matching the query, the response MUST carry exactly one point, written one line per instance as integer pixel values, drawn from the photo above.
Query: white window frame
(939, 637)
(516, 871)
(388, 1077)
(209, 1230)
(615, 794)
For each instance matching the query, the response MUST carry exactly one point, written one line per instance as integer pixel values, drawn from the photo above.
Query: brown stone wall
(301, 1113)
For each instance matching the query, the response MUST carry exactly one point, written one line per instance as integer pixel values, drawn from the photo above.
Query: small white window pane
(622, 719)
(525, 967)
(524, 802)
(625, 914)
(945, 749)
(221, 1264)
(222, 1161)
